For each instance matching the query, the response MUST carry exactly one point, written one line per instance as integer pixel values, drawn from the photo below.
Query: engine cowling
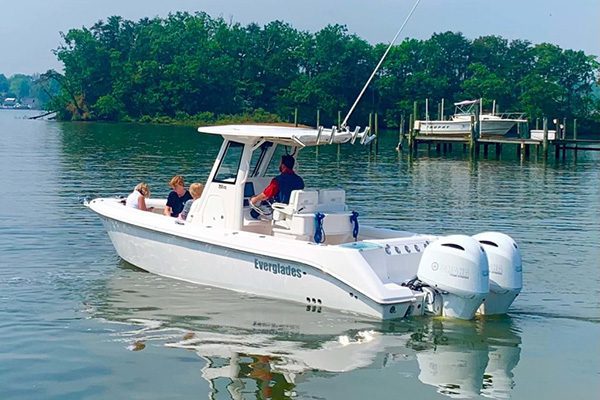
(457, 267)
(506, 271)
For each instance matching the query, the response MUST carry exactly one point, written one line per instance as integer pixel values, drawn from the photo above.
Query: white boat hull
(463, 127)
(210, 264)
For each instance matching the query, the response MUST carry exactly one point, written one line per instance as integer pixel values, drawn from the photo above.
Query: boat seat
(301, 202)
(297, 219)
(332, 200)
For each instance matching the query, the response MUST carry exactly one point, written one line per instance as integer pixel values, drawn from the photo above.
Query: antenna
(378, 65)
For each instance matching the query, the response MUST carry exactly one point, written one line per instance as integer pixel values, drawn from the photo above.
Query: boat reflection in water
(266, 348)
(466, 360)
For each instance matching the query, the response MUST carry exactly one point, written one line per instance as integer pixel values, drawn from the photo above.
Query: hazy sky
(29, 29)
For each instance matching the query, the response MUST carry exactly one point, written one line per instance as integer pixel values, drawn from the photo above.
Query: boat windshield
(258, 158)
(230, 164)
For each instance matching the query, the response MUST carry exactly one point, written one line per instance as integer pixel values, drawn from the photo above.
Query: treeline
(196, 67)
(27, 90)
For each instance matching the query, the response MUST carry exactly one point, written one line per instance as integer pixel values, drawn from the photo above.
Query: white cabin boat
(459, 124)
(312, 250)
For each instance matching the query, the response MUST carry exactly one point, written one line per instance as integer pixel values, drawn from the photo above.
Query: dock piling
(545, 141)
(376, 133)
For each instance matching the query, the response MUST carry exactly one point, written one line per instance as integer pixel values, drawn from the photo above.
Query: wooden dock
(477, 145)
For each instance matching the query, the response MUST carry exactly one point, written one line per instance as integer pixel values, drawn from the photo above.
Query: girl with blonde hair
(196, 190)
(137, 198)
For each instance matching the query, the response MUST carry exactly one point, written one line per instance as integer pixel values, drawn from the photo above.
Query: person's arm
(270, 191)
(142, 204)
(167, 211)
(258, 198)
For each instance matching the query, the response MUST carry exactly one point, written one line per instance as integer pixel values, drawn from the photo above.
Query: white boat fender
(354, 222)
(319, 232)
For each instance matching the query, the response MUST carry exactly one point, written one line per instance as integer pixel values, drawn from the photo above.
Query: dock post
(339, 125)
(401, 130)
(318, 124)
(376, 133)
(472, 137)
(527, 150)
(415, 116)
(564, 128)
(485, 150)
(411, 133)
(575, 138)
(537, 123)
(442, 108)
(545, 141)
(498, 150)
(370, 130)
(296, 116)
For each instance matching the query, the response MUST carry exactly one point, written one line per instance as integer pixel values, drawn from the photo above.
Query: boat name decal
(277, 268)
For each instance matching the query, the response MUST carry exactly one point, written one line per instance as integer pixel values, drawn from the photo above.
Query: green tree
(4, 85)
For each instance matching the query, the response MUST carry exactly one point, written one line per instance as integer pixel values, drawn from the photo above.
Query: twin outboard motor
(506, 271)
(455, 268)
(463, 275)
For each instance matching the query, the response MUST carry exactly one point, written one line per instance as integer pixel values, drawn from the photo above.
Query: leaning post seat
(332, 200)
(301, 202)
(296, 220)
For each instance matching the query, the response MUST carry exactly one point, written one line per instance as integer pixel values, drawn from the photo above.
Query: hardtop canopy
(286, 135)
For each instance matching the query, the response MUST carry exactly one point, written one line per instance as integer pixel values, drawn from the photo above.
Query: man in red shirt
(282, 185)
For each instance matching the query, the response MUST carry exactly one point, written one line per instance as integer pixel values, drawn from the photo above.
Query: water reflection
(465, 359)
(261, 348)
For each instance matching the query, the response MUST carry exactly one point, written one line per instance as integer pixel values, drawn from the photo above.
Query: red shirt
(273, 188)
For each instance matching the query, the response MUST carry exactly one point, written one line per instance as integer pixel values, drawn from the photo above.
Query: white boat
(312, 250)
(459, 124)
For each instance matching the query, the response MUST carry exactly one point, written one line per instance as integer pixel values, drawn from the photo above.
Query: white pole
(426, 109)
(379, 65)
(442, 110)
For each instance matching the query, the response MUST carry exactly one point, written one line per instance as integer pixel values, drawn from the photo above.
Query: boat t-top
(312, 250)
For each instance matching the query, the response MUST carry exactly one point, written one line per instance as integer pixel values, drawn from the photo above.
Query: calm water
(78, 323)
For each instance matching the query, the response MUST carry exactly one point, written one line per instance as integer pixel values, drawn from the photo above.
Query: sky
(30, 30)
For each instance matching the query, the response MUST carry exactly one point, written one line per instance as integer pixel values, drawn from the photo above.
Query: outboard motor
(506, 271)
(457, 268)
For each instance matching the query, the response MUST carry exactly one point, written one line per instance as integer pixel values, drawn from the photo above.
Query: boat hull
(463, 127)
(268, 276)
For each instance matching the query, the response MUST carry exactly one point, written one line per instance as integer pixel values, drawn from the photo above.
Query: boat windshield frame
(225, 160)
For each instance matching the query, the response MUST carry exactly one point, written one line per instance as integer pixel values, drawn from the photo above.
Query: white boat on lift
(312, 250)
(459, 124)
